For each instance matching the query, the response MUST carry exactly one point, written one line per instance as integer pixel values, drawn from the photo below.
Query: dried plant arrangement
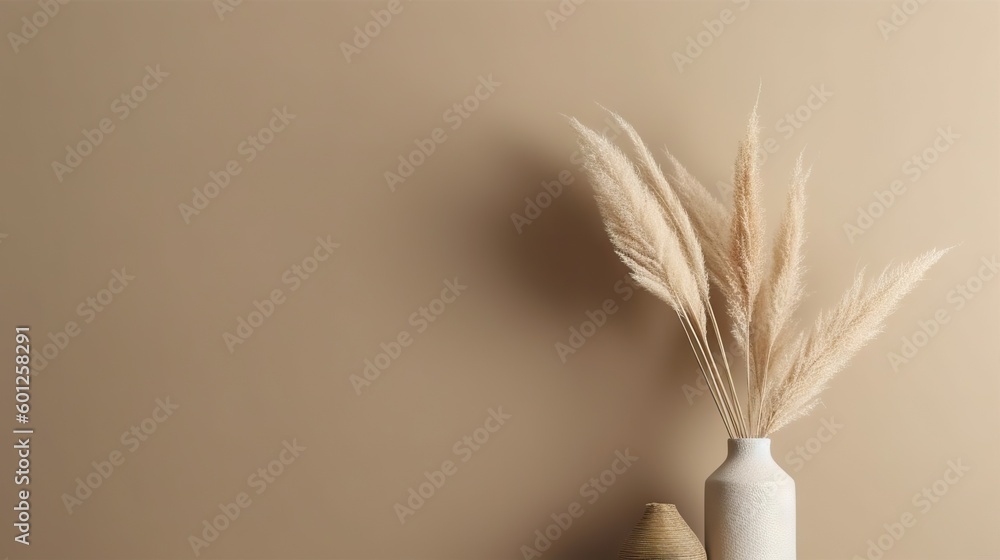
(684, 246)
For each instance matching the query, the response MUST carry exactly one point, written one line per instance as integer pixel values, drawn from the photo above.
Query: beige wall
(630, 388)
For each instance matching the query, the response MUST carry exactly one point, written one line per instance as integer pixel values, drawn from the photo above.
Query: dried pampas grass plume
(653, 236)
(746, 237)
(709, 217)
(669, 203)
(638, 228)
(839, 333)
(781, 293)
(678, 239)
(746, 247)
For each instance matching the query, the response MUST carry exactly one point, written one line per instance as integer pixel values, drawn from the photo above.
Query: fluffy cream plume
(746, 236)
(781, 293)
(638, 227)
(746, 244)
(654, 237)
(674, 211)
(838, 334)
(709, 217)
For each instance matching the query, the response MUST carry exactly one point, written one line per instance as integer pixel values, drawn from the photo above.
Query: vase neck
(749, 446)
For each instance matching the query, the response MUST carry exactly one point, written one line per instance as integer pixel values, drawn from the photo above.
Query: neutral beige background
(629, 387)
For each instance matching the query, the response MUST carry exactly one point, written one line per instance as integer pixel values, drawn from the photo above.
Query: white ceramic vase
(750, 506)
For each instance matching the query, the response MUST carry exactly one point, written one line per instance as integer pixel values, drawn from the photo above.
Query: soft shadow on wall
(562, 261)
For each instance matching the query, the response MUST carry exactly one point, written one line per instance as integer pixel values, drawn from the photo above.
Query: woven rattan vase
(662, 534)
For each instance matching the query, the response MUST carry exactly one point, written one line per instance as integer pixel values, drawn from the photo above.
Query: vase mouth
(737, 445)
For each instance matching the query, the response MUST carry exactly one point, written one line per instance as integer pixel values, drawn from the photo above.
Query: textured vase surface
(662, 534)
(750, 506)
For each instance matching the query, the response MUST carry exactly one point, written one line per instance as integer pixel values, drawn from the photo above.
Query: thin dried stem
(729, 373)
(709, 381)
(727, 402)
